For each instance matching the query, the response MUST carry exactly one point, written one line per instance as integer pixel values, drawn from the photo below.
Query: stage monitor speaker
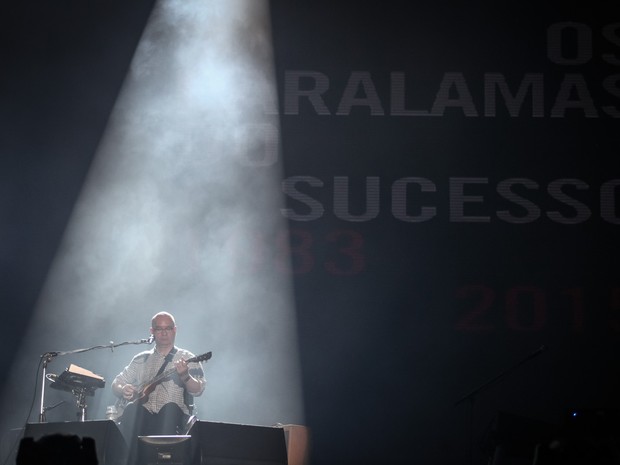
(164, 450)
(111, 447)
(234, 444)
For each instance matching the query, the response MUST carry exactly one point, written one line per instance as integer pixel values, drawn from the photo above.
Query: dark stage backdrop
(451, 186)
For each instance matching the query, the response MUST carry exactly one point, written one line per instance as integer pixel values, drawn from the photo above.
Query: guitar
(141, 394)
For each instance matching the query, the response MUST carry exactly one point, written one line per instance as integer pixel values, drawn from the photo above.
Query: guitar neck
(164, 374)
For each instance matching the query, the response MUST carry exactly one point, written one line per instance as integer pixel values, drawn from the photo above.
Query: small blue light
(574, 414)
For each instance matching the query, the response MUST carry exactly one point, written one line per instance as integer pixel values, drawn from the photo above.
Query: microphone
(148, 341)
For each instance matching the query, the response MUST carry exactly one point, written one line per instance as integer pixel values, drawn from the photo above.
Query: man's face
(164, 331)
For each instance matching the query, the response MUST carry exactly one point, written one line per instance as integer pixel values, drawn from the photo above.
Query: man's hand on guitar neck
(191, 384)
(182, 369)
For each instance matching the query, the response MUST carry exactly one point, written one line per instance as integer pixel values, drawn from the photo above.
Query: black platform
(212, 443)
(235, 444)
(111, 447)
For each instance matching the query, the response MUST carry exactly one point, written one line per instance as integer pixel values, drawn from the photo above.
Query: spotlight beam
(179, 213)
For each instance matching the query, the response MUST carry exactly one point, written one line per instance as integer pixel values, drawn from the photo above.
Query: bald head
(158, 316)
(164, 330)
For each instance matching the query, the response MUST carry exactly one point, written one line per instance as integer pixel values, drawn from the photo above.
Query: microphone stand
(48, 356)
(472, 395)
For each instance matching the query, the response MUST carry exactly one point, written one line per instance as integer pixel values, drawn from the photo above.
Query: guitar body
(141, 394)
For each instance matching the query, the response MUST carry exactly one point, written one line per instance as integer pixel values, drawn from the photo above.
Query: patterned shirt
(144, 367)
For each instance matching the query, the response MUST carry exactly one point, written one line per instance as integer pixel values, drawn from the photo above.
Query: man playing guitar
(156, 388)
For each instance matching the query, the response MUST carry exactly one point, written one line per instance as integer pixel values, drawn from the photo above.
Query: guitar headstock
(200, 358)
